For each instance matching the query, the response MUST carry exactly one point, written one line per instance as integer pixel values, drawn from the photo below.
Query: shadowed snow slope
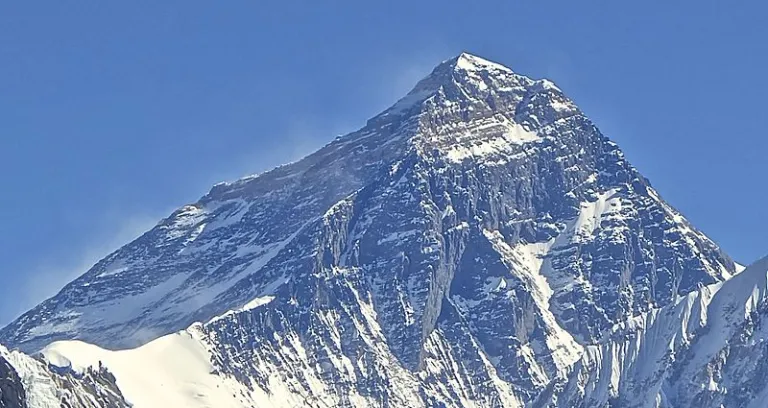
(472, 245)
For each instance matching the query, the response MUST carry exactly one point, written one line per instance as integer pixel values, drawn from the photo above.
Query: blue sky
(114, 113)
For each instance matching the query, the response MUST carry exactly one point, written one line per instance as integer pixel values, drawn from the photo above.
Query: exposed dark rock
(12, 394)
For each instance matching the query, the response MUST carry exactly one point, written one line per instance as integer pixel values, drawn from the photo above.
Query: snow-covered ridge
(40, 386)
(693, 352)
(172, 371)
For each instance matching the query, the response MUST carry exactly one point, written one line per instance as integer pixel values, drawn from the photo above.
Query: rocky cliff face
(470, 246)
(12, 394)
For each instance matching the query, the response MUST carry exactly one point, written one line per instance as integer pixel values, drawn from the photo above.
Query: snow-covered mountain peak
(492, 109)
(458, 79)
(470, 107)
(469, 62)
(464, 248)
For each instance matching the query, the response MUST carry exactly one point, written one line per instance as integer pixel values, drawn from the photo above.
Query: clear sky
(114, 113)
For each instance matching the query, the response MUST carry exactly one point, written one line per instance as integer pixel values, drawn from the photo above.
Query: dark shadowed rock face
(12, 393)
(464, 248)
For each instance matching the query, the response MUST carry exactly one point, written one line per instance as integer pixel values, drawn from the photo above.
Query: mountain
(480, 243)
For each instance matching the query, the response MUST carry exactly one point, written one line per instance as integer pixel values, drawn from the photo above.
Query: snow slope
(36, 385)
(172, 371)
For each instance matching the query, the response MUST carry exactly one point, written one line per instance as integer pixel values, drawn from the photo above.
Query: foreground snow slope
(172, 371)
(466, 247)
(26, 382)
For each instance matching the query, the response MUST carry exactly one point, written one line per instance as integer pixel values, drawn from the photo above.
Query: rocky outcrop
(12, 394)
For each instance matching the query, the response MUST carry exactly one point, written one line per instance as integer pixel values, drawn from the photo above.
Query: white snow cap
(466, 64)
(471, 62)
